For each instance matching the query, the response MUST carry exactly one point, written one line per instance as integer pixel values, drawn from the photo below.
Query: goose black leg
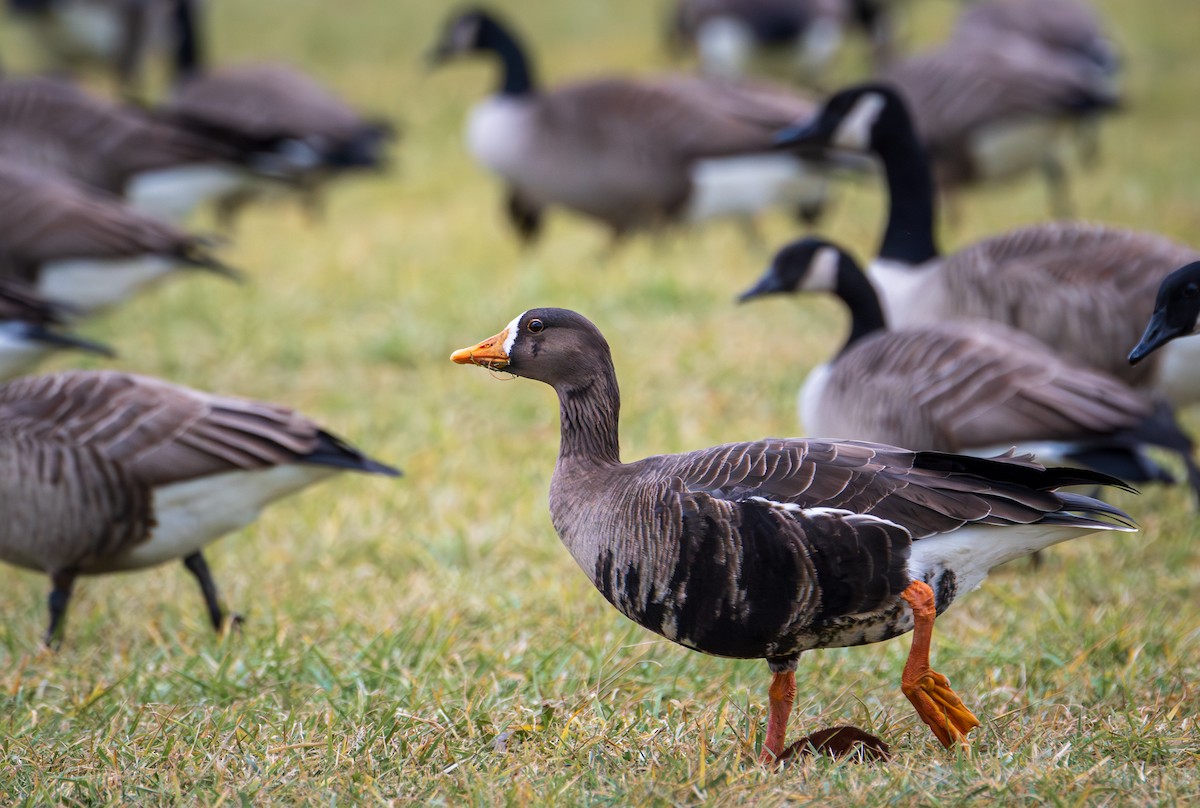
(60, 595)
(929, 691)
(199, 567)
(525, 217)
(1056, 183)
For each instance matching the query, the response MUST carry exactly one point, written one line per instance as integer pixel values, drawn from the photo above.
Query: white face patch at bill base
(511, 330)
(822, 272)
(854, 132)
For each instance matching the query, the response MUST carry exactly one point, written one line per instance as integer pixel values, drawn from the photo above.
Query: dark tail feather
(1018, 470)
(196, 255)
(1080, 510)
(335, 452)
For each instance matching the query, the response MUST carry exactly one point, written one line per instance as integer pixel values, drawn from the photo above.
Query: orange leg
(783, 693)
(929, 691)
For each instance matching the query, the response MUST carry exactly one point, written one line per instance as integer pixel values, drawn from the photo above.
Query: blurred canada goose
(57, 127)
(633, 154)
(1176, 314)
(294, 133)
(968, 386)
(31, 328)
(113, 34)
(87, 251)
(795, 38)
(1069, 27)
(109, 472)
(729, 36)
(767, 549)
(991, 105)
(1084, 289)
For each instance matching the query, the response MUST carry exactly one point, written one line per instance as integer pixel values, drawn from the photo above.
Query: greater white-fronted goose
(968, 386)
(115, 35)
(160, 167)
(1176, 314)
(32, 328)
(990, 105)
(293, 132)
(1084, 289)
(767, 549)
(632, 154)
(109, 472)
(86, 250)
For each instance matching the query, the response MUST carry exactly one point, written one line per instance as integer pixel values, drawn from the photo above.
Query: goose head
(556, 346)
(807, 265)
(1176, 312)
(853, 119)
(468, 32)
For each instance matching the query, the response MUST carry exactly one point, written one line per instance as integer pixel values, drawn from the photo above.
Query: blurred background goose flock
(239, 242)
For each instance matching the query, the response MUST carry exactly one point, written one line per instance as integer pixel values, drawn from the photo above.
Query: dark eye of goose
(1191, 290)
(535, 326)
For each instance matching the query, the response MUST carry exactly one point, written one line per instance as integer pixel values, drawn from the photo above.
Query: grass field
(428, 640)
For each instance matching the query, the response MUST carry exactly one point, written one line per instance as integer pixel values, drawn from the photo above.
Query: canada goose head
(469, 31)
(851, 119)
(1176, 312)
(555, 346)
(807, 265)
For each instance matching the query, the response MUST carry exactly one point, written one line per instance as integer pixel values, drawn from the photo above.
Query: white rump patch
(192, 514)
(725, 46)
(822, 272)
(19, 353)
(747, 184)
(90, 285)
(174, 193)
(854, 132)
(512, 329)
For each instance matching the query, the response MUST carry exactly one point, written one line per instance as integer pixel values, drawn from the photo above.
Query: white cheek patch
(822, 272)
(512, 329)
(854, 133)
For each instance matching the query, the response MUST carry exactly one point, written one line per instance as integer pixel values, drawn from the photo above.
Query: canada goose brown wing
(57, 126)
(754, 102)
(1068, 25)
(264, 101)
(957, 89)
(1085, 289)
(971, 385)
(45, 219)
(924, 492)
(158, 433)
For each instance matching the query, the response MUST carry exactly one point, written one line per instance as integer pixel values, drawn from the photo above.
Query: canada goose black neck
(589, 412)
(856, 291)
(909, 236)
(189, 47)
(517, 73)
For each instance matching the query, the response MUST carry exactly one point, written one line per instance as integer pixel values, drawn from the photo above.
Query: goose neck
(189, 46)
(909, 236)
(860, 297)
(588, 419)
(516, 77)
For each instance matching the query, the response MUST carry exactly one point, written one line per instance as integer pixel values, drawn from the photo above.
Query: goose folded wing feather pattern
(967, 385)
(56, 126)
(107, 471)
(88, 250)
(770, 548)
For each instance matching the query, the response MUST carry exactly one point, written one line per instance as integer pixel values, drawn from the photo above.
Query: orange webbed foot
(929, 691)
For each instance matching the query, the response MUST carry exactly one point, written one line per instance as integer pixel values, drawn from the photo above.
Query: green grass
(427, 640)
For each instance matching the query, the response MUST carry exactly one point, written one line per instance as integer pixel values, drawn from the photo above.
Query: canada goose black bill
(1176, 312)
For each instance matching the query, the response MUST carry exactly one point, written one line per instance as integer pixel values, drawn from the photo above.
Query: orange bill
(489, 353)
